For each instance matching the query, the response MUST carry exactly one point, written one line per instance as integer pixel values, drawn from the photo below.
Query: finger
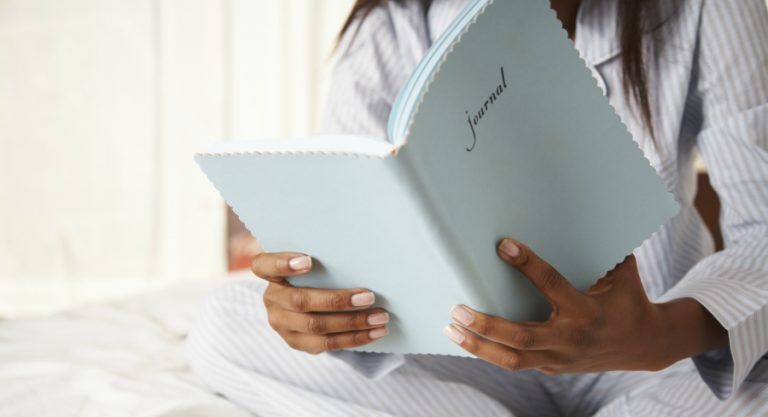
(317, 300)
(275, 266)
(497, 354)
(315, 344)
(329, 323)
(542, 275)
(520, 336)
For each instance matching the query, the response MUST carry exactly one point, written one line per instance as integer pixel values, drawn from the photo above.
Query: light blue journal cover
(501, 131)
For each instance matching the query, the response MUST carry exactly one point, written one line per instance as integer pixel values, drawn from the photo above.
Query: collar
(596, 38)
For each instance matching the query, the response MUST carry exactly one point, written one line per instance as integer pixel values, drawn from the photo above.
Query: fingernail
(378, 333)
(378, 318)
(509, 248)
(300, 263)
(454, 334)
(462, 315)
(363, 299)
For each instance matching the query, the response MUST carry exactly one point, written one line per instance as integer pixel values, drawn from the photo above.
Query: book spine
(445, 237)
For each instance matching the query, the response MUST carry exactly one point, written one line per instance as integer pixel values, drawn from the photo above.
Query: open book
(500, 131)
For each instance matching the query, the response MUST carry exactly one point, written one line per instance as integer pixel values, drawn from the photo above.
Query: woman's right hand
(316, 320)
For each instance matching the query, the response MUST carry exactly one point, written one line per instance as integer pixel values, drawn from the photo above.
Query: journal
(500, 131)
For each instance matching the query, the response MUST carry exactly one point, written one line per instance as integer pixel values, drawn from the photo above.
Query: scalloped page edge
(640, 150)
(338, 145)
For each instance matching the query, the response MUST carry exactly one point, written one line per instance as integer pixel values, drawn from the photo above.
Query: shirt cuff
(742, 310)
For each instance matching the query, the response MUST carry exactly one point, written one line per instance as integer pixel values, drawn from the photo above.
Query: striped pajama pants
(233, 349)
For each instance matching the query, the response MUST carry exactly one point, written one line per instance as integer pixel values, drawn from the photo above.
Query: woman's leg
(676, 391)
(233, 349)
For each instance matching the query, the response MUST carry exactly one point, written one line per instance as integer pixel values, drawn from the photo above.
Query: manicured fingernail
(378, 333)
(378, 318)
(363, 299)
(454, 334)
(300, 263)
(509, 248)
(462, 315)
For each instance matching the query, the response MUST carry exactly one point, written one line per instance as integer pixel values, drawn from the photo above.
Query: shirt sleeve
(374, 59)
(368, 74)
(732, 94)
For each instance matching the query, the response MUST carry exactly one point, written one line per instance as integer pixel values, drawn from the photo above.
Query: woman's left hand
(611, 326)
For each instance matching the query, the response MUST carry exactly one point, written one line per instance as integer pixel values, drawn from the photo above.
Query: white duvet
(121, 359)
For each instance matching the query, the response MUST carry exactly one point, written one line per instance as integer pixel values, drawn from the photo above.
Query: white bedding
(123, 358)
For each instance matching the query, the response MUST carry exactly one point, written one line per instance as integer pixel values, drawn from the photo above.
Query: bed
(122, 358)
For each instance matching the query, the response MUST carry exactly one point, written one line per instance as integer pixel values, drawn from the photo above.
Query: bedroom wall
(103, 103)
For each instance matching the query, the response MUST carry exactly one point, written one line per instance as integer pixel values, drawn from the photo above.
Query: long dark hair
(636, 20)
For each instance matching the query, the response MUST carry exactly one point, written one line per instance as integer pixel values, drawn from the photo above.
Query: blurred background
(102, 106)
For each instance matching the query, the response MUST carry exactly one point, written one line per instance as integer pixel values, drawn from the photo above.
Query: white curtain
(102, 105)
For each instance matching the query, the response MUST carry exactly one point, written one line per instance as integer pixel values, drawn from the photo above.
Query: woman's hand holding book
(611, 326)
(316, 320)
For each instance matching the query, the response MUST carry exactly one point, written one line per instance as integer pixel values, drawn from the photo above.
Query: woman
(684, 76)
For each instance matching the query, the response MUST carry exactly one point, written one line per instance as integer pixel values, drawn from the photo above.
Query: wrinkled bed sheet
(123, 358)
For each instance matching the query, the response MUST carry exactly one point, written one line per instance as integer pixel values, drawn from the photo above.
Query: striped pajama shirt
(709, 96)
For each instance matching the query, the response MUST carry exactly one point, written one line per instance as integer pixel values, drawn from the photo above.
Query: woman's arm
(733, 94)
